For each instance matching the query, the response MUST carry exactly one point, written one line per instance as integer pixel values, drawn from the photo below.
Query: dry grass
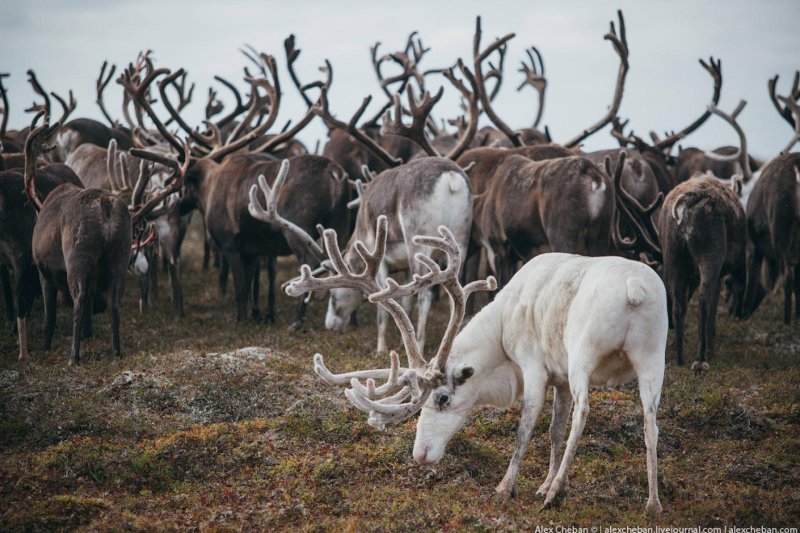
(186, 432)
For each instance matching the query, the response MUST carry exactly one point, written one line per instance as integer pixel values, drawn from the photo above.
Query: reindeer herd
(595, 254)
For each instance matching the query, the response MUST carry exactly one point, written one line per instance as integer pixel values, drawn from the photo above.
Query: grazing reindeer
(82, 243)
(415, 197)
(564, 321)
(703, 238)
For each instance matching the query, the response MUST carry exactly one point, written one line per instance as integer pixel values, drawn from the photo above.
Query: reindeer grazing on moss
(564, 321)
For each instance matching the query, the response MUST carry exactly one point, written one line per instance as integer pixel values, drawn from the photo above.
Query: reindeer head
(405, 390)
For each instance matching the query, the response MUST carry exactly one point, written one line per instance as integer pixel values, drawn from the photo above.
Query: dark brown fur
(316, 192)
(773, 220)
(703, 238)
(81, 244)
(534, 205)
(17, 219)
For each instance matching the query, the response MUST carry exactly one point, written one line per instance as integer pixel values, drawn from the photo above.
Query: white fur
(140, 265)
(564, 321)
(450, 205)
(597, 198)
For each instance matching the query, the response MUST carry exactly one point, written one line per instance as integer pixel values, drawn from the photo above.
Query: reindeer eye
(442, 400)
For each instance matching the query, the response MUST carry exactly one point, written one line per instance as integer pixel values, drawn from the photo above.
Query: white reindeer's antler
(405, 389)
(269, 213)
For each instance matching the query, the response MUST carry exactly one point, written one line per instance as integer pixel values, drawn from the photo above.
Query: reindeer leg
(470, 273)
(80, 296)
(678, 292)
(117, 288)
(224, 267)
(49, 294)
(579, 386)
(535, 381)
(754, 259)
(424, 300)
(797, 290)
(562, 404)
(174, 266)
(271, 275)
(8, 296)
(240, 282)
(650, 392)
(788, 289)
(383, 315)
(23, 301)
(152, 275)
(87, 331)
(709, 297)
(255, 275)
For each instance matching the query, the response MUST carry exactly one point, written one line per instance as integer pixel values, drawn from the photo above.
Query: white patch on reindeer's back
(597, 197)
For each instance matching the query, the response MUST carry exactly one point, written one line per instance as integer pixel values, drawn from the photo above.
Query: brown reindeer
(563, 205)
(17, 219)
(773, 218)
(82, 243)
(703, 238)
(106, 169)
(224, 168)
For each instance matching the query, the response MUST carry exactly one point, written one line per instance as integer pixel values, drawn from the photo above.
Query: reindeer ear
(462, 374)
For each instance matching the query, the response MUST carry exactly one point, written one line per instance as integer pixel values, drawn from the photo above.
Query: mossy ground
(175, 436)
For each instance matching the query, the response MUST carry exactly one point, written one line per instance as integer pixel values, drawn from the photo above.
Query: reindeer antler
(420, 111)
(741, 153)
(534, 76)
(620, 43)
(479, 57)
(269, 213)
(637, 215)
(100, 86)
(387, 403)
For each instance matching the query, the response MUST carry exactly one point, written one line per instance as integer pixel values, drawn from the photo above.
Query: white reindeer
(416, 197)
(563, 321)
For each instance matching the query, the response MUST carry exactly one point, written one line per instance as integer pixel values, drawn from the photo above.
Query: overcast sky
(67, 41)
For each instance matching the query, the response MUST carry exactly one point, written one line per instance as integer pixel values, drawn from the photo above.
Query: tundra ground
(206, 424)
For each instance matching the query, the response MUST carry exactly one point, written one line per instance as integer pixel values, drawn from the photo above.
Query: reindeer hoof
(700, 367)
(555, 497)
(543, 488)
(504, 493)
(269, 317)
(256, 315)
(297, 325)
(653, 507)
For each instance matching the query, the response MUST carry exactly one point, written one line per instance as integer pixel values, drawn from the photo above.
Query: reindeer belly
(613, 369)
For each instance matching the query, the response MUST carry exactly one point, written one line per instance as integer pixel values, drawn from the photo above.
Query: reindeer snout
(421, 454)
(424, 456)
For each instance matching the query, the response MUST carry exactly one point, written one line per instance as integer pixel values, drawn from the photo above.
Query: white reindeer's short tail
(636, 291)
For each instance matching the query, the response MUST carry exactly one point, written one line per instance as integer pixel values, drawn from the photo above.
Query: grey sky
(66, 42)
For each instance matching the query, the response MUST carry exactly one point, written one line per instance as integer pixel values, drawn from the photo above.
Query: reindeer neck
(497, 379)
